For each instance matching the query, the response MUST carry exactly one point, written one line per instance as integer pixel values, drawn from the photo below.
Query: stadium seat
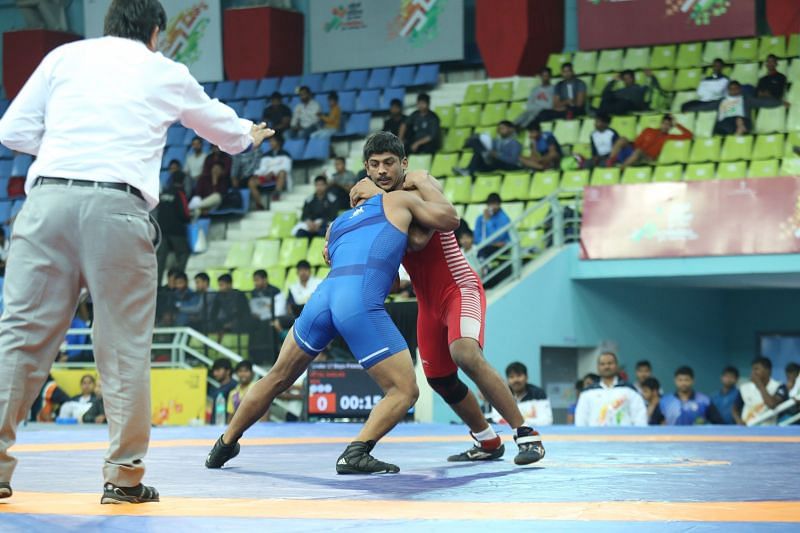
(662, 56)
(790, 166)
(515, 186)
(468, 116)
(567, 131)
(600, 82)
(266, 252)
(771, 120)
(392, 93)
(347, 101)
(605, 176)
(243, 281)
(323, 271)
(793, 119)
(674, 152)
(483, 186)
(277, 276)
(6, 153)
(427, 75)
(333, 81)
(225, 90)
(685, 119)
(554, 62)
(609, 61)
(689, 55)
(745, 73)
(493, 113)
(292, 251)
(403, 76)
(514, 210)
(704, 124)
(254, 109)
(282, 224)
(379, 78)
(537, 216)
(524, 86)
(322, 100)
(717, 49)
(793, 47)
(357, 124)
(317, 149)
(681, 98)
(419, 161)
(501, 91)
(585, 133)
(240, 254)
(792, 95)
(648, 121)
(245, 89)
(312, 81)
(625, 125)
(455, 139)
(368, 100)
(736, 148)
(731, 170)
(634, 175)
(767, 168)
(687, 79)
(636, 59)
(477, 93)
(175, 135)
(583, 150)
(173, 152)
(289, 85)
(447, 116)
(458, 189)
(266, 87)
(5, 168)
(584, 62)
(666, 173)
(704, 150)
(5, 211)
(575, 179)
(472, 212)
(771, 44)
(745, 50)
(699, 172)
(443, 164)
(209, 87)
(213, 274)
(315, 249)
(792, 140)
(768, 146)
(295, 147)
(666, 79)
(356, 80)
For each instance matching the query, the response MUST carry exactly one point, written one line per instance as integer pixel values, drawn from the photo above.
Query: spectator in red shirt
(210, 190)
(647, 146)
(218, 156)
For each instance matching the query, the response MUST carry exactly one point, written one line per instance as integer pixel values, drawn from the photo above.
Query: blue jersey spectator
(545, 150)
(726, 397)
(76, 354)
(492, 220)
(686, 407)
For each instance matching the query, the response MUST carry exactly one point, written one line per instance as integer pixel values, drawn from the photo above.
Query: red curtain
(23, 51)
(783, 16)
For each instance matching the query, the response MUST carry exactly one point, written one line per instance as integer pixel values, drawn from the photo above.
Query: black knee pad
(450, 388)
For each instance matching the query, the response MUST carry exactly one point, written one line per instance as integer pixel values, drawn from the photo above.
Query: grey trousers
(66, 238)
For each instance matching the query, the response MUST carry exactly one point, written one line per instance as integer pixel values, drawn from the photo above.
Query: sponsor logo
(417, 22)
(346, 17)
(181, 40)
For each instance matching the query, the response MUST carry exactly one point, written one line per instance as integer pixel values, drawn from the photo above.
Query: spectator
(49, 400)
(726, 397)
(421, 132)
(301, 290)
(545, 150)
(173, 217)
(396, 117)
(540, 99)
(305, 119)
(733, 113)
(266, 305)
(182, 296)
(342, 180)
(517, 376)
(230, 309)
(466, 240)
(245, 375)
(218, 156)
(643, 371)
(759, 394)
(244, 168)
(711, 91)
(569, 97)
(611, 401)
(648, 145)
(221, 372)
(687, 407)
(77, 406)
(330, 122)
(195, 159)
(319, 210)
(631, 97)
(793, 391)
(608, 148)
(571, 408)
(210, 190)
(96, 414)
(488, 155)
(772, 86)
(651, 393)
(273, 173)
(277, 115)
(590, 379)
(77, 355)
(196, 311)
(492, 220)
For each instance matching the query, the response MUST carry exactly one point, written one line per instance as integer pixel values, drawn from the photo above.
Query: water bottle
(219, 410)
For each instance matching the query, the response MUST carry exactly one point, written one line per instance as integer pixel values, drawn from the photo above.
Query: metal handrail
(780, 408)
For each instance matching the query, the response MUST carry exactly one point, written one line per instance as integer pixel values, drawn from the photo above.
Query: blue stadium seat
(289, 84)
(369, 100)
(163, 178)
(334, 81)
(292, 103)
(403, 76)
(6, 153)
(225, 90)
(20, 165)
(379, 78)
(347, 101)
(5, 168)
(5, 211)
(4, 103)
(238, 106)
(16, 207)
(209, 87)
(356, 80)
(390, 94)
(245, 89)
(3, 190)
(357, 124)
(173, 152)
(187, 140)
(318, 148)
(322, 100)
(254, 109)
(266, 87)
(295, 147)
(312, 81)
(175, 135)
(245, 194)
(427, 75)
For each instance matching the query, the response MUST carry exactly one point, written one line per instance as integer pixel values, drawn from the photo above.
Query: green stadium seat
(476, 93)
(664, 173)
(472, 212)
(292, 251)
(213, 274)
(282, 224)
(793, 71)
(501, 91)
(554, 61)
(600, 82)
(732, 170)
(610, 61)
(240, 254)
(637, 59)
(689, 55)
(681, 98)
(716, 49)
(460, 208)
(524, 86)
(685, 119)
(790, 166)
(291, 277)
(574, 179)
(458, 189)
(674, 152)
(582, 149)
(455, 139)
(483, 187)
(323, 271)
(567, 131)
(588, 80)
(465, 158)
(584, 62)
(468, 116)
(491, 131)
(704, 124)
(514, 210)
(793, 47)
(745, 73)
(537, 216)
(515, 109)
(419, 161)
(243, 280)
(792, 140)
(771, 120)
(745, 50)
(277, 276)
(666, 78)
(771, 44)
(767, 168)
(515, 186)
(265, 253)
(604, 176)
(705, 150)
(687, 79)
(633, 175)
(699, 172)
(585, 134)
(315, 249)
(447, 115)
(768, 146)
(736, 148)
(235, 341)
(443, 164)
(648, 121)
(532, 242)
(793, 94)
(544, 183)
(793, 119)
(662, 57)
(354, 164)
(493, 114)
(625, 125)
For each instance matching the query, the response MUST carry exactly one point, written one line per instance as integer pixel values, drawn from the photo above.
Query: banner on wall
(704, 218)
(649, 22)
(193, 35)
(375, 33)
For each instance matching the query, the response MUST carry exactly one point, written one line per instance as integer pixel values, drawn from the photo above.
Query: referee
(95, 114)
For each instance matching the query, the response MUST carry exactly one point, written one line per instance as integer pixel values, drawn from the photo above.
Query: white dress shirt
(305, 115)
(193, 167)
(99, 110)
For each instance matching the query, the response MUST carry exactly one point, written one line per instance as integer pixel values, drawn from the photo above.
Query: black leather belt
(44, 180)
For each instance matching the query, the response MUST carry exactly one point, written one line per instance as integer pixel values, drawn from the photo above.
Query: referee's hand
(259, 132)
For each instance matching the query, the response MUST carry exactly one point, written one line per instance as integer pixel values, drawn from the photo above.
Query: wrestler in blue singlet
(365, 251)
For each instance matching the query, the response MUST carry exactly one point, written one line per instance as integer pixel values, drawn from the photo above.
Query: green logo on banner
(417, 22)
(181, 40)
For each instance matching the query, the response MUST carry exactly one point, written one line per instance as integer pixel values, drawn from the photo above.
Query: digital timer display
(341, 390)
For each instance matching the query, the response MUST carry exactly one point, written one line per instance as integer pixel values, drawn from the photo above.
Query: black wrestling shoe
(221, 453)
(355, 459)
(481, 451)
(5, 490)
(530, 445)
(138, 494)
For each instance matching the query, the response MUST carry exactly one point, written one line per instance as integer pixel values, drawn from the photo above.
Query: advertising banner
(375, 33)
(703, 218)
(193, 35)
(621, 23)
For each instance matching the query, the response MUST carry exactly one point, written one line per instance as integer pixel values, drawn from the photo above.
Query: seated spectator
(96, 414)
(76, 355)
(182, 297)
(50, 399)
(631, 97)
(571, 408)
(301, 290)
(421, 133)
(230, 310)
(319, 210)
(396, 117)
(245, 376)
(569, 97)
(734, 112)
(217, 156)
(488, 155)
(210, 191)
(221, 372)
(173, 217)
(267, 304)
(648, 145)
(687, 407)
(273, 173)
(277, 115)
(77, 406)
(711, 91)
(759, 394)
(331, 121)
(305, 119)
(517, 376)
(342, 180)
(608, 148)
(793, 391)
(611, 401)
(726, 397)
(195, 160)
(651, 393)
(545, 150)
(244, 168)
(772, 86)
(540, 99)
(196, 311)
(492, 220)
(643, 371)
(466, 240)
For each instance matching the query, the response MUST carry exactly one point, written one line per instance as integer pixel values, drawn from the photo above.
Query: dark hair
(275, 95)
(222, 362)
(172, 272)
(303, 264)
(763, 361)
(652, 384)
(244, 364)
(667, 116)
(340, 158)
(396, 101)
(323, 179)
(567, 64)
(731, 370)
(792, 368)
(382, 142)
(684, 371)
(196, 138)
(772, 56)
(603, 117)
(424, 97)
(135, 19)
(465, 231)
(516, 368)
(548, 70)
(182, 275)
(303, 88)
(734, 82)
(88, 376)
(644, 362)
(628, 72)
(608, 352)
(507, 123)
(225, 278)
(260, 273)
(278, 138)
(591, 375)
(175, 161)
(203, 276)
(493, 198)
(534, 126)
(719, 60)
(579, 385)
(333, 95)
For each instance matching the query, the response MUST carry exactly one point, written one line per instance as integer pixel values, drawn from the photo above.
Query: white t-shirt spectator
(300, 293)
(603, 142)
(193, 166)
(617, 405)
(305, 115)
(752, 403)
(712, 88)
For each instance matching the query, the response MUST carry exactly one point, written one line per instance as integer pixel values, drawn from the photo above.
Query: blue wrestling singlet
(365, 251)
